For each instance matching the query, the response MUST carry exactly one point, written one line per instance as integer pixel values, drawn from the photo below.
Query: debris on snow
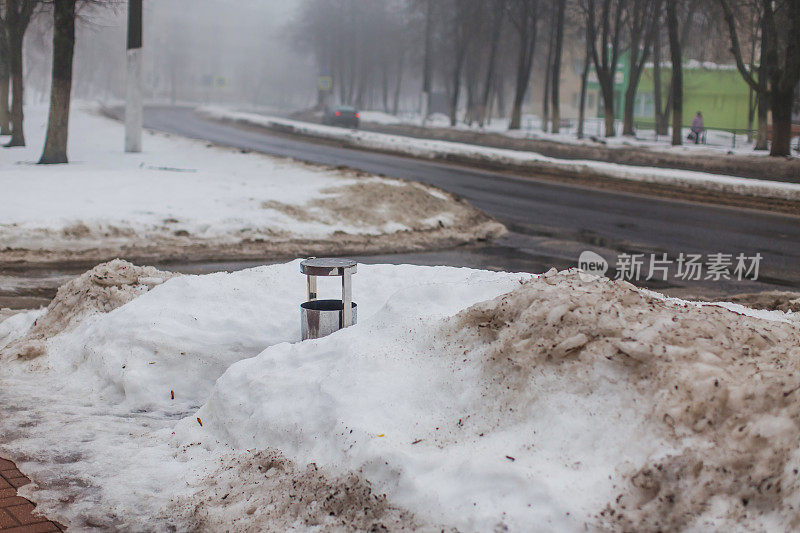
(263, 490)
(719, 387)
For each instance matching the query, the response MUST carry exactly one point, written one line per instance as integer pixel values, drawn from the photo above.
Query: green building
(718, 91)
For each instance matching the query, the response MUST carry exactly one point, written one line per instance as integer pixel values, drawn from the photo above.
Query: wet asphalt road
(550, 223)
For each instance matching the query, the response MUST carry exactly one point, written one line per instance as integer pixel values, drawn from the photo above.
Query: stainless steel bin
(322, 317)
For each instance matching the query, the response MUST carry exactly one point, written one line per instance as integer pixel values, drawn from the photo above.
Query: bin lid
(327, 266)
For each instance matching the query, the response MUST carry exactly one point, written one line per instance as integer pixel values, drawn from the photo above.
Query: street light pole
(133, 97)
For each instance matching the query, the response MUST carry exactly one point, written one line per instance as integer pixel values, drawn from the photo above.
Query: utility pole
(133, 97)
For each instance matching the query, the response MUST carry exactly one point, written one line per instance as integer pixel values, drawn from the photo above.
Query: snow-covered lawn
(468, 399)
(181, 195)
(532, 161)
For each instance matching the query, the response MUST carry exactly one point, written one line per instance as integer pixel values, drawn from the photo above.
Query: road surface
(550, 223)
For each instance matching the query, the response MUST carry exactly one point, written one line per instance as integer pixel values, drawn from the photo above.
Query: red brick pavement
(16, 513)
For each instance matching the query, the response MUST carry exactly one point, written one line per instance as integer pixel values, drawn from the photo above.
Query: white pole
(133, 93)
(133, 102)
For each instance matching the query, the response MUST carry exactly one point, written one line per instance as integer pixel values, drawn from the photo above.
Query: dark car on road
(341, 115)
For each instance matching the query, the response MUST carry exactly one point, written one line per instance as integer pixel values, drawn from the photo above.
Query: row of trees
(15, 17)
(480, 52)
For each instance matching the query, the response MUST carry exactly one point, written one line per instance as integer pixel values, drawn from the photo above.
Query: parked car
(341, 115)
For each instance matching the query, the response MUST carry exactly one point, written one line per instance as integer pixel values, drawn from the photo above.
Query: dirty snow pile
(182, 198)
(531, 161)
(462, 399)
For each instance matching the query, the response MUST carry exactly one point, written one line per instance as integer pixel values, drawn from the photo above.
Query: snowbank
(466, 399)
(378, 117)
(718, 142)
(531, 161)
(100, 290)
(182, 198)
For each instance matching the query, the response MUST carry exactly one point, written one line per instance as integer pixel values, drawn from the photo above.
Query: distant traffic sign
(325, 83)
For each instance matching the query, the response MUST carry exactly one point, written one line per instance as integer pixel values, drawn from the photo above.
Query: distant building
(718, 91)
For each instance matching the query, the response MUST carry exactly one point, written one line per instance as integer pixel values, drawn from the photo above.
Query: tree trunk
(454, 96)
(659, 125)
(547, 81)
(527, 27)
(657, 102)
(427, 63)
(627, 118)
(643, 24)
(584, 75)
(521, 87)
(516, 108)
(519, 96)
(398, 83)
(781, 122)
(762, 141)
(751, 108)
(55, 146)
(556, 76)
(5, 110)
(499, 91)
(608, 112)
(490, 68)
(15, 64)
(385, 86)
(677, 73)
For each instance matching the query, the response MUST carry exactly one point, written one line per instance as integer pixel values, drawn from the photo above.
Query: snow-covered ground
(182, 194)
(717, 141)
(462, 398)
(530, 160)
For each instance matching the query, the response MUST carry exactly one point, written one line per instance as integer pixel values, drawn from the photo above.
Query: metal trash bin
(322, 317)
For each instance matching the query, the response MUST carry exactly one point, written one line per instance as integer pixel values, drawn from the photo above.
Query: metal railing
(733, 132)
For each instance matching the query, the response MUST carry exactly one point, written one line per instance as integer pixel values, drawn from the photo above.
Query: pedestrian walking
(697, 127)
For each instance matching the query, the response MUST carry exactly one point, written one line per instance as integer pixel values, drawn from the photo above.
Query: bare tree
(398, 81)
(524, 15)
(463, 23)
(55, 146)
(686, 22)
(677, 72)
(644, 15)
(660, 114)
(780, 64)
(496, 14)
(608, 29)
(587, 61)
(557, 52)
(16, 15)
(5, 110)
(548, 73)
(427, 63)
